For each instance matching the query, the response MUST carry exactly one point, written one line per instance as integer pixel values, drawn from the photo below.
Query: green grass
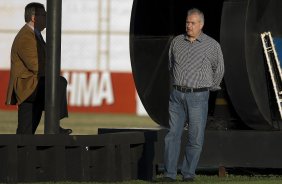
(202, 179)
(81, 123)
(88, 124)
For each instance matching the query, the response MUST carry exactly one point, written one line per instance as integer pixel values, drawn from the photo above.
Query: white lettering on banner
(92, 91)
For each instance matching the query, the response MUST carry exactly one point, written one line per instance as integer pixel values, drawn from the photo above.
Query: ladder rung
(269, 49)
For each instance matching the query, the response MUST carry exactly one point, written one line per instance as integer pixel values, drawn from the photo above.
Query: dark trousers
(30, 111)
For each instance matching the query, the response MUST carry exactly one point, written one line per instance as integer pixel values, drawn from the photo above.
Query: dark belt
(189, 90)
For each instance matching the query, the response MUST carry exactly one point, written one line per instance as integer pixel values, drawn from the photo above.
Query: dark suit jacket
(27, 65)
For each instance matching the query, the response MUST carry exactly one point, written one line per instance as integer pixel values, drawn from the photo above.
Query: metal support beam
(53, 65)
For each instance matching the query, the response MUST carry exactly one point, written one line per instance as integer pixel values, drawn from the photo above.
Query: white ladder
(273, 66)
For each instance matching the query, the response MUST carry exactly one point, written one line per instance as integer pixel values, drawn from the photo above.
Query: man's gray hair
(197, 11)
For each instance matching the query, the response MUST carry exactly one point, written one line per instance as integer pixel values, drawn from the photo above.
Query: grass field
(88, 124)
(81, 123)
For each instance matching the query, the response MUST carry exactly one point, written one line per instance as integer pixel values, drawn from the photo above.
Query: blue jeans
(182, 107)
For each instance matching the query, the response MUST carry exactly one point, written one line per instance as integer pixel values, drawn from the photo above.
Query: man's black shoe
(66, 131)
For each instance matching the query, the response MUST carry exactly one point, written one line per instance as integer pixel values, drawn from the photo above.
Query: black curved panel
(246, 77)
(148, 47)
(152, 82)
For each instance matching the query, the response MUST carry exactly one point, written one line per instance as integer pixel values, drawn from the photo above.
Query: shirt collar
(200, 38)
(37, 32)
(31, 27)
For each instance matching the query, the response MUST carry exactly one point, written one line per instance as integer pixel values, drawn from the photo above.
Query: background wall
(95, 53)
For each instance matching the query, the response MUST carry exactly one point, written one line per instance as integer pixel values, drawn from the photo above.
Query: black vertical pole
(53, 66)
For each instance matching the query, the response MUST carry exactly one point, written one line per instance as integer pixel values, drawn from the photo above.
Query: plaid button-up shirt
(196, 64)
